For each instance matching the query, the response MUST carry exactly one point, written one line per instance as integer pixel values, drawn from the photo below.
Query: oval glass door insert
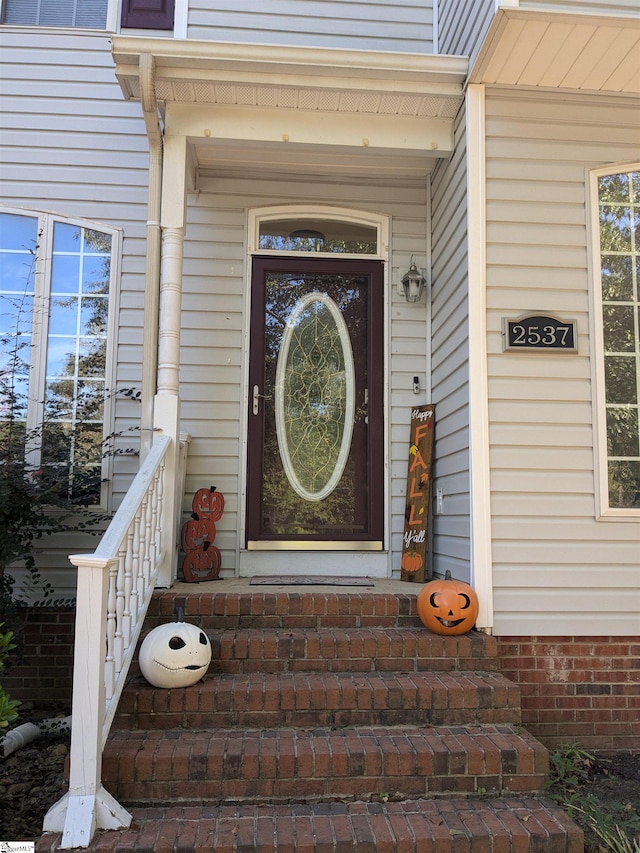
(314, 396)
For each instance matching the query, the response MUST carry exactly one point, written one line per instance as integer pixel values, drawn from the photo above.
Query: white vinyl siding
(462, 24)
(212, 346)
(71, 146)
(395, 25)
(551, 556)
(450, 362)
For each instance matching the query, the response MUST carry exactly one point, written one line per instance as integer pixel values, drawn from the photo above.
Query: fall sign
(416, 516)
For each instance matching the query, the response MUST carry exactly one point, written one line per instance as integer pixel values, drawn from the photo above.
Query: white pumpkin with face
(175, 655)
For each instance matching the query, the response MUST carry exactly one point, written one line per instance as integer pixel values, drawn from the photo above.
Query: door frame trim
(330, 212)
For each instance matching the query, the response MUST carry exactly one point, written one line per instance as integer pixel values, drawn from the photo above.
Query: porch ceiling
(558, 50)
(312, 111)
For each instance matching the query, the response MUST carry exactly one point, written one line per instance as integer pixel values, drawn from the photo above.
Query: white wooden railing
(115, 585)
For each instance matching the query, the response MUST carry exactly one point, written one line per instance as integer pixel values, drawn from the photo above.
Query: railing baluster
(110, 660)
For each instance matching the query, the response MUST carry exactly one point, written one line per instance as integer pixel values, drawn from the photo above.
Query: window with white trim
(56, 277)
(91, 14)
(619, 294)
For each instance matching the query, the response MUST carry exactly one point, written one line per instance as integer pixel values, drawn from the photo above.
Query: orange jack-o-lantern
(208, 503)
(196, 532)
(448, 606)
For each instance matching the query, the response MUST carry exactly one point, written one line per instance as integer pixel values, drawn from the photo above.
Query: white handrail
(115, 585)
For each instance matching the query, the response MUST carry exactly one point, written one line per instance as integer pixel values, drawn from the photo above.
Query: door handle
(256, 398)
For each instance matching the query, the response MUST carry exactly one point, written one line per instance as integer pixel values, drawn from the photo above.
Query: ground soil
(33, 778)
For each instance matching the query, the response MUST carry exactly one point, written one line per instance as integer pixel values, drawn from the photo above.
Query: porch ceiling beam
(401, 134)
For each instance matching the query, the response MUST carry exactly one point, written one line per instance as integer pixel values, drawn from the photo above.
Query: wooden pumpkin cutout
(196, 532)
(202, 560)
(202, 564)
(208, 503)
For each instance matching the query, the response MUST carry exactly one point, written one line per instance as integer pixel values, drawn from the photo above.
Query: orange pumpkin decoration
(411, 562)
(196, 532)
(208, 503)
(448, 606)
(203, 564)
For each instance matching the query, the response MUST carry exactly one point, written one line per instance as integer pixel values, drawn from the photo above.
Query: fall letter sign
(416, 515)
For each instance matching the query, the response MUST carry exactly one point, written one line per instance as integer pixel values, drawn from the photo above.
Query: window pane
(90, 401)
(78, 349)
(18, 244)
(57, 13)
(292, 235)
(624, 484)
(56, 444)
(622, 432)
(621, 379)
(66, 315)
(619, 197)
(94, 316)
(619, 330)
(95, 275)
(65, 273)
(20, 12)
(92, 358)
(66, 238)
(617, 277)
(615, 229)
(63, 315)
(614, 188)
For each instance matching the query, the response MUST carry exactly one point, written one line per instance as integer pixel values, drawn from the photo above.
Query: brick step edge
(291, 763)
(511, 825)
(348, 648)
(261, 700)
(288, 608)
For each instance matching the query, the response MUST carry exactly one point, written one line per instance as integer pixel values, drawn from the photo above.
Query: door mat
(308, 580)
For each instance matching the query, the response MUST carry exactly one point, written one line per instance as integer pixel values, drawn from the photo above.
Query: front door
(315, 455)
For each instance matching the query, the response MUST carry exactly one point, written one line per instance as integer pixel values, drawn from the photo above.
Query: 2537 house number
(540, 332)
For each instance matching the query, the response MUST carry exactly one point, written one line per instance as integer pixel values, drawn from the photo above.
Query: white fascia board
(292, 61)
(319, 69)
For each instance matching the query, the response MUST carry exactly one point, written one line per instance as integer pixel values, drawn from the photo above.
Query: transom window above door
(329, 233)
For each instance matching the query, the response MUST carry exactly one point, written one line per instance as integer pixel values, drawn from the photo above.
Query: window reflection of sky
(18, 232)
(63, 352)
(16, 272)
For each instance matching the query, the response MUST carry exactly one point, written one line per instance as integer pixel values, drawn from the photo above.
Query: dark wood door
(315, 463)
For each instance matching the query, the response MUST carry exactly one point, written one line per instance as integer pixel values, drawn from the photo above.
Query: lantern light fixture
(413, 283)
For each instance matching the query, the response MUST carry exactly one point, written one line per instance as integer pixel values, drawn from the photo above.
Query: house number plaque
(541, 332)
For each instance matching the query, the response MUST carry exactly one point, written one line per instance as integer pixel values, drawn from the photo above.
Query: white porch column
(480, 470)
(167, 399)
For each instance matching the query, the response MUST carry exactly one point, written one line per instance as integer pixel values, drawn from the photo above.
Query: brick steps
(383, 648)
(319, 764)
(328, 722)
(264, 700)
(506, 825)
(226, 607)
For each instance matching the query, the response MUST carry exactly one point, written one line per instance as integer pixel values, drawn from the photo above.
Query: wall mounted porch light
(413, 283)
